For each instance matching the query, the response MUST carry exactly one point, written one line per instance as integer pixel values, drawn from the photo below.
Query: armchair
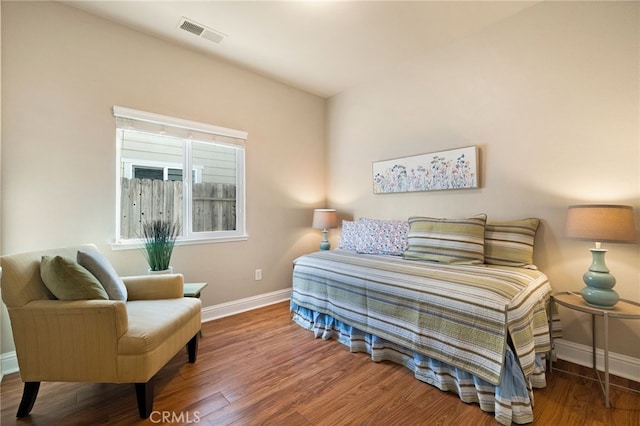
(101, 341)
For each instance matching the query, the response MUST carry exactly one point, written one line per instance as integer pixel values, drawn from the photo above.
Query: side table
(193, 289)
(624, 309)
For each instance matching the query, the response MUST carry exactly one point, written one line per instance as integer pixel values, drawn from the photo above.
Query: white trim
(241, 191)
(9, 361)
(222, 310)
(619, 365)
(118, 182)
(136, 244)
(187, 191)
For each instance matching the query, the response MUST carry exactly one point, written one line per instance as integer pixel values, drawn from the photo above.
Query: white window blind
(148, 122)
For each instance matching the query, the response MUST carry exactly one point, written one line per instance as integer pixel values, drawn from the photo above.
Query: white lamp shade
(324, 219)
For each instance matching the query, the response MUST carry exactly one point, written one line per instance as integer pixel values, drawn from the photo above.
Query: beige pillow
(446, 240)
(67, 280)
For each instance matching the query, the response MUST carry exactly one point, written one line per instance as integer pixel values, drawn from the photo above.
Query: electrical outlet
(258, 274)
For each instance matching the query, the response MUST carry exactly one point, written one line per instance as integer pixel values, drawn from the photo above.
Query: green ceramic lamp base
(599, 291)
(598, 298)
(324, 244)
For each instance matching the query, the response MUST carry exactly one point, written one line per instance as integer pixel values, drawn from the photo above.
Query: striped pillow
(510, 243)
(447, 240)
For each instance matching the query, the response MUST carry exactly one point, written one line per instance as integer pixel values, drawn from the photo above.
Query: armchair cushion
(100, 267)
(153, 336)
(67, 280)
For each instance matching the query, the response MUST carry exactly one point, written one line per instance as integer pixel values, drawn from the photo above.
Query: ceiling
(323, 47)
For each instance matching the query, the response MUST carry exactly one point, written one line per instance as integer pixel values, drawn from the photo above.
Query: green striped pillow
(446, 240)
(510, 243)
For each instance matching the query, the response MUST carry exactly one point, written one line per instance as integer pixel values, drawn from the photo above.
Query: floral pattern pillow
(349, 235)
(382, 236)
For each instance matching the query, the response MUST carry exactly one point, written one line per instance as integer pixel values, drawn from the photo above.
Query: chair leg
(29, 395)
(144, 395)
(192, 348)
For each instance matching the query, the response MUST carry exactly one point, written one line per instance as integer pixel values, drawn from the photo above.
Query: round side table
(624, 309)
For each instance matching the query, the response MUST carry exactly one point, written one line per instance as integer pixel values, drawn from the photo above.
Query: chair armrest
(150, 287)
(75, 340)
(112, 313)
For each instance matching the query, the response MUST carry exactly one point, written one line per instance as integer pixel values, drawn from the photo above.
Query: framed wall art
(451, 169)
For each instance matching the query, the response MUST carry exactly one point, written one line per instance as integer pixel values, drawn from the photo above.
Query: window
(207, 202)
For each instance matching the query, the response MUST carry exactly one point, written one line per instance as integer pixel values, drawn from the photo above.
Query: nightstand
(624, 309)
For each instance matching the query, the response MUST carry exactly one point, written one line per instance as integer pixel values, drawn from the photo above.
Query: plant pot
(169, 270)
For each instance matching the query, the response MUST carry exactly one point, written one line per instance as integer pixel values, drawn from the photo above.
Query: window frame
(188, 132)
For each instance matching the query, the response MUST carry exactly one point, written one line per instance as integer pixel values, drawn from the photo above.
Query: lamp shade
(324, 219)
(601, 223)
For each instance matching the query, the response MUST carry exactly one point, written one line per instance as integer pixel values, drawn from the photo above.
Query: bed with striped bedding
(486, 324)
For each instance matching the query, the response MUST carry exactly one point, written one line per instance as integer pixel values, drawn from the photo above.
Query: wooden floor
(259, 368)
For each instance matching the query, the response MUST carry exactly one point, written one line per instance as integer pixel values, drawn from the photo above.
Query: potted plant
(159, 238)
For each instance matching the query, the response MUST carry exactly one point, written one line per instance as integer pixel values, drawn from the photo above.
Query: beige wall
(550, 96)
(63, 70)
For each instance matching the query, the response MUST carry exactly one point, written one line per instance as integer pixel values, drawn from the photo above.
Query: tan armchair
(101, 341)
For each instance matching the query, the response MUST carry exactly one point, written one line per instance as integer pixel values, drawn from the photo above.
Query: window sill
(137, 244)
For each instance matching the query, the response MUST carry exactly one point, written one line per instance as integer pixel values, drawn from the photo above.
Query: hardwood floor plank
(261, 368)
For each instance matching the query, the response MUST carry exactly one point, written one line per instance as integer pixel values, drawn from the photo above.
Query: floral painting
(452, 169)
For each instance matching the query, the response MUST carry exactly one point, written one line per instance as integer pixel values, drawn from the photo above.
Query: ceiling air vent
(200, 30)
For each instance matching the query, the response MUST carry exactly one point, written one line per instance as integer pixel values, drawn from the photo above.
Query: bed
(478, 329)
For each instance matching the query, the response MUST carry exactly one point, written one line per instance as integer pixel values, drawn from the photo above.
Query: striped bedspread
(458, 314)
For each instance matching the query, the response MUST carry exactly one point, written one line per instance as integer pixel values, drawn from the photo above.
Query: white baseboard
(243, 305)
(9, 363)
(619, 365)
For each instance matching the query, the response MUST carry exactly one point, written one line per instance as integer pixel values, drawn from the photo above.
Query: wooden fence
(213, 208)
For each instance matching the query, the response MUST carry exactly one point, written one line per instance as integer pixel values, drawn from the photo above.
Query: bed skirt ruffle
(510, 401)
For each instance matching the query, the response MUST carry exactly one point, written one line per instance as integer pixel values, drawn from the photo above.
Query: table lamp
(324, 219)
(600, 223)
